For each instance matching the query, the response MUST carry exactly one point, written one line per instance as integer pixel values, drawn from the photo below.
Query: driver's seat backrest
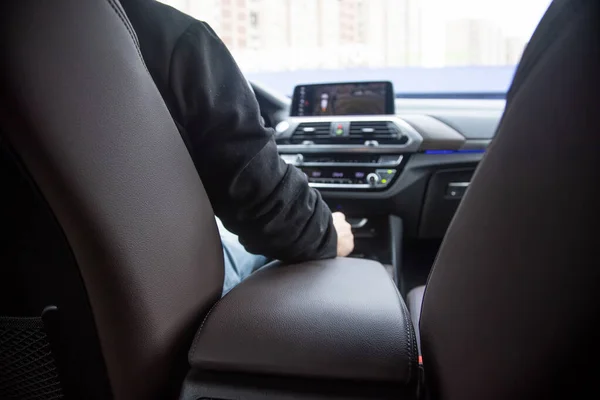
(105, 222)
(512, 306)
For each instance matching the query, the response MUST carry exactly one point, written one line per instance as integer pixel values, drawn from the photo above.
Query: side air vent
(384, 132)
(316, 132)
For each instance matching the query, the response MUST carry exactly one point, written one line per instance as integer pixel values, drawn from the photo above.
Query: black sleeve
(266, 202)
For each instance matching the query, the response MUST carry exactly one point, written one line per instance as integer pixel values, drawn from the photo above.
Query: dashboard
(413, 162)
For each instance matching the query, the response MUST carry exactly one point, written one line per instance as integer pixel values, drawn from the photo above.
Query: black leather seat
(512, 305)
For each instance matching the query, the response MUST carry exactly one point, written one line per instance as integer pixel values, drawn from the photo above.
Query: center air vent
(316, 132)
(384, 132)
(351, 133)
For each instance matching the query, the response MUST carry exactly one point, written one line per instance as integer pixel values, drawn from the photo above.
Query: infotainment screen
(347, 98)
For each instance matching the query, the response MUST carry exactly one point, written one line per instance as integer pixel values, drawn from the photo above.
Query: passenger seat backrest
(83, 123)
(512, 307)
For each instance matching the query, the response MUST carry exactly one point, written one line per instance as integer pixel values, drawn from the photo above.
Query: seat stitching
(410, 342)
(130, 30)
(121, 11)
(413, 336)
(196, 339)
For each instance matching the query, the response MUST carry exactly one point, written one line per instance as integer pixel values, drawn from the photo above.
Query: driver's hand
(345, 243)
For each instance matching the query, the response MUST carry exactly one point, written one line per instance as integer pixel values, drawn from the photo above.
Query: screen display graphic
(358, 98)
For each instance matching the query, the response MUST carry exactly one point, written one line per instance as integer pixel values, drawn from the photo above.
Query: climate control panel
(349, 177)
(349, 171)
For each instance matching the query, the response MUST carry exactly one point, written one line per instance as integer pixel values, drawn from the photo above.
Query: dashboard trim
(475, 144)
(340, 148)
(317, 185)
(395, 163)
(412, 145)
(459, 184)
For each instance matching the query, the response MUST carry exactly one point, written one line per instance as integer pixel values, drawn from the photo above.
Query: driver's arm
(257, 196)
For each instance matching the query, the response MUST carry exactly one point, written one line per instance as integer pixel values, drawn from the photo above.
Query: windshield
(426, 48)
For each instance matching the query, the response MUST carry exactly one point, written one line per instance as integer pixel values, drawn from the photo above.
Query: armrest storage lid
(336, 319)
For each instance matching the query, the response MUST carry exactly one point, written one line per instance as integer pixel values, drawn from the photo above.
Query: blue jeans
(239, 264)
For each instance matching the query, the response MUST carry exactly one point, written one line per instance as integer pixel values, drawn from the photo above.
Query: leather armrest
(336, 319)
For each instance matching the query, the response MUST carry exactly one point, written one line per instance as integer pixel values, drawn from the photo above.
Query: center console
(348, 153)
(349, 143)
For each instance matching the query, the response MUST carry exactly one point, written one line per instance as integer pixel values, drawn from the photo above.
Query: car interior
(474, 274)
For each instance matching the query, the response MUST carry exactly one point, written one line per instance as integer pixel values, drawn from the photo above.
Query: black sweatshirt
(255, 194)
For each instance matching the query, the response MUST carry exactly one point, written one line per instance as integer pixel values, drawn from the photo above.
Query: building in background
(275, 35)
(205, 10)
(286, 35)
(514, 47)
(392, 31)
(479, 42)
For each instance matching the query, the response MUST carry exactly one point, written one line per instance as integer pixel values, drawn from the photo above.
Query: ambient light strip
(453, 151)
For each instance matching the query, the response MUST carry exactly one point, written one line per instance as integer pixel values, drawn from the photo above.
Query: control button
(373, 179)
(456, 190)
(386, 176)
(390, 160)
(386, 172)
(339, 129)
